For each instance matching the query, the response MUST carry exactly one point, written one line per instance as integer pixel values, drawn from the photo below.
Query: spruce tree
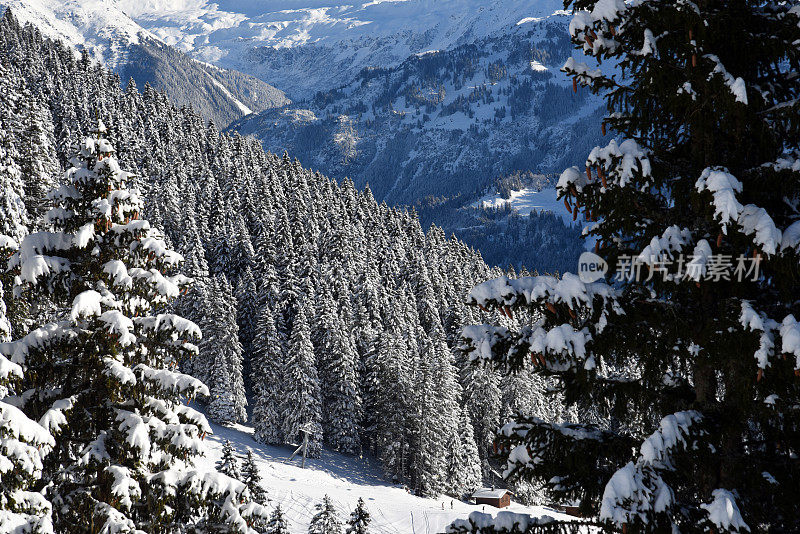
(23, 445)
(359, 519)
(277, 522)
(252, 478)
(223, 349)
(14, 218)
(341, 397)
(302, 407)
(268, 369)
(325, 520)
(228, 464)
(695, 208)
(101, 378)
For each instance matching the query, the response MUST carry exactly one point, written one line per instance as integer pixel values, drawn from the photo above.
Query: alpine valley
(387, 93)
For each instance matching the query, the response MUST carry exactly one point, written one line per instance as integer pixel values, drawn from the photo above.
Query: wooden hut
(499, 498)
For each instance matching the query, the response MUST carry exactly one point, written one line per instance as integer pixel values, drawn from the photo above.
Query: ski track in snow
(345, 479)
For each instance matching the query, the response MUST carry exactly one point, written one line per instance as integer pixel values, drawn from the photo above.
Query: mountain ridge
(326, 43)
(105, 32)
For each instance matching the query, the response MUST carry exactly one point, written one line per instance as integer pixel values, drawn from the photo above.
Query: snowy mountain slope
(345, 479)
(101, 28)
(95, 25)
(464, 116)
(308, 45)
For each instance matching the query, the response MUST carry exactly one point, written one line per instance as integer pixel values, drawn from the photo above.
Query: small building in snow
(499, 498)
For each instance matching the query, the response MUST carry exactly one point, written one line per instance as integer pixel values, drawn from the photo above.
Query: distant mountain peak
(104, 29)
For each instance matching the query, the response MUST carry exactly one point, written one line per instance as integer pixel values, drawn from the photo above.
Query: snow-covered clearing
(345, 479)
(527, 200)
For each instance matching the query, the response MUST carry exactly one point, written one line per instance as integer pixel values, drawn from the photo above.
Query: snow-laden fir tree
(228, 464)
(392, 393)
(341, 398)
(302, 407)
(277, 522)
(101, 378)
(359, 519)
(224, 351)
(463, 466)
(14, 217)
(23, 445)
(267, 379)
(325, 521)
(252, 478)
(695, 205)
(38, 162)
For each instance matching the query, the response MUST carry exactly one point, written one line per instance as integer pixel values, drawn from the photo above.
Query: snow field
(345, 479)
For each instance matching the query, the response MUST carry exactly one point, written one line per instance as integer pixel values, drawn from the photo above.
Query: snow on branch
(736, 85)
(790, 337)
(636, 491)
(54, 418)
(751, 219)
(118, 274)
(172, 382)
(16, 425)
(125, 488)
(595, 28)
(621, 163)
(724, 513)
(537, 291)
(558, 349)
(206, 485)
(38, 340)
(662, 248)
(759, 322)
(119, 371)
(115, 521)
(169, 322)
(8, 368)
(582, 72)
(136, 431)
(86, 304)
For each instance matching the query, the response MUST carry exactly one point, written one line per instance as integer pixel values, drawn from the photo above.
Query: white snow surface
(528, 200)
(724, 513)
(365, 33)
(100, 26)
(345, 479)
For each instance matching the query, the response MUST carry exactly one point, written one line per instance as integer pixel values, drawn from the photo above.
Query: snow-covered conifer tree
(228, 400)
(359, 519)
(277, 522)
(267, 378)
(229, 463)
(23, 445)
(101, 379)
(252, 478)
(14, 218)
(341, 398)
(37, 159)
(693, 352)
(325, 521)
(302, 407)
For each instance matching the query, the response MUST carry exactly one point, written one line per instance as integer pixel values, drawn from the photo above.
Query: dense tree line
(321, 309)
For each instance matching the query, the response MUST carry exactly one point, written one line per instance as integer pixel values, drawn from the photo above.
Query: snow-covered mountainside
(445, 123)
(111, 37)
(344, 479)
(304, 46)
